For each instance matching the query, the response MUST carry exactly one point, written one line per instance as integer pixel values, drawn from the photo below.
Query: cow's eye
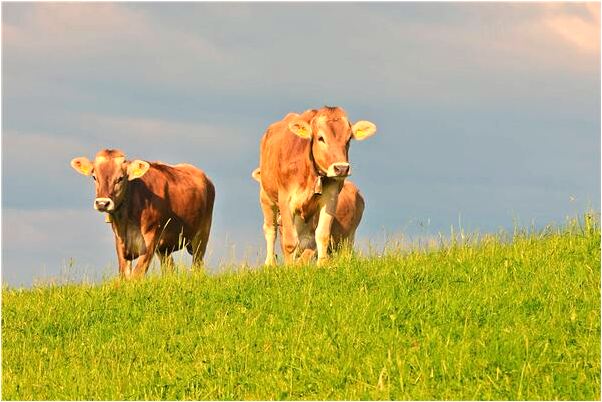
(119, 179)
(94, 177)
(321, 139)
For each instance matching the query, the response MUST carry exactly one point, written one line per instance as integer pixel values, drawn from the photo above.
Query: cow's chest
(304, 203)
(133, 241)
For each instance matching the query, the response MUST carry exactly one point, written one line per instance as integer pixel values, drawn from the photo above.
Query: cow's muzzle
(104, 204)
(339, 169)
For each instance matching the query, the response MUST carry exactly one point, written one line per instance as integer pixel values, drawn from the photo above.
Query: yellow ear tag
(108, 218)
(359, 133)
(86, 170)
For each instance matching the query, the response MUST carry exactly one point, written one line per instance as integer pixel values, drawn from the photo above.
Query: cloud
(146, 129)
(105, 28)
(504, 39)
(205, 51)
(582, 32)
(88, 37)
(207, 145)
(31, 151)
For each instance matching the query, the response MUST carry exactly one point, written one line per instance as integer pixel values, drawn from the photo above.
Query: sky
(488, 114)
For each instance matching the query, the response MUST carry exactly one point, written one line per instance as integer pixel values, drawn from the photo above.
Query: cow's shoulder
(350, 188)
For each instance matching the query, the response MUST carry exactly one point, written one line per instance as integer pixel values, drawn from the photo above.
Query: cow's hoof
(322, 262)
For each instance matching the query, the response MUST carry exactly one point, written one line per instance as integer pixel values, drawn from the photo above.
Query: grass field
(514, 317)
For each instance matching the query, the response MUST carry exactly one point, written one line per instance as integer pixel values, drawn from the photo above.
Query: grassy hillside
(514, 318)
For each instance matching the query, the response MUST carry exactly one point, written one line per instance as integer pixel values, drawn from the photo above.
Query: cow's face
(111, 174)
(331, 134)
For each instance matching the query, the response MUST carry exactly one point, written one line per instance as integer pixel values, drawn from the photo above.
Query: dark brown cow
(154, 207)
(348, 214)
(303, 162)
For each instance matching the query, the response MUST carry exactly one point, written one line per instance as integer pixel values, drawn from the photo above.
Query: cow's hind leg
(290, 239)
(307, 242)
(198, 246)
(270, 214)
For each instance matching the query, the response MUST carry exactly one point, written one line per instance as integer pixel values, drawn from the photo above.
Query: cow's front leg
(144, 260)
(330, 197)
(323, 235)
(289, 234)
(125, 265)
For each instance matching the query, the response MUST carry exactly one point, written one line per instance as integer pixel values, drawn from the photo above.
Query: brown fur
(168, 208)
(348, 214)
(290, 166)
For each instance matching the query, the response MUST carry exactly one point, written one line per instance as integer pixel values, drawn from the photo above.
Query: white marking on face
(110, 205)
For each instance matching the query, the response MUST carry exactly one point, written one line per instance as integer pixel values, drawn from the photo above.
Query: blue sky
(485, 112)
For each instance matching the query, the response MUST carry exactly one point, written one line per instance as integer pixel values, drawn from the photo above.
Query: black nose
(101, 205)
(341, 170)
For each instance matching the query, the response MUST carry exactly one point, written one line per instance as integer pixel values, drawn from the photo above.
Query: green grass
(497, 318)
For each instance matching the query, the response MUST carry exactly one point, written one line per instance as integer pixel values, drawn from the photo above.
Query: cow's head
(111, 174)
(330, 133)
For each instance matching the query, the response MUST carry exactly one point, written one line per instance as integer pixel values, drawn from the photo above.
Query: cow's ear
(300, 128)
(256, 175)
(82, 165)
(137, 169)
(363, 129)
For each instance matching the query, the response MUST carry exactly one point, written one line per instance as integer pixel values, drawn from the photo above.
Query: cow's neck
(314, 178)
(311, 187)
(120, 219)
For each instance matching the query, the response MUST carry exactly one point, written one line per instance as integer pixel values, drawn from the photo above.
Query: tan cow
(303, 162)
(154, 207)
(349, 211)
